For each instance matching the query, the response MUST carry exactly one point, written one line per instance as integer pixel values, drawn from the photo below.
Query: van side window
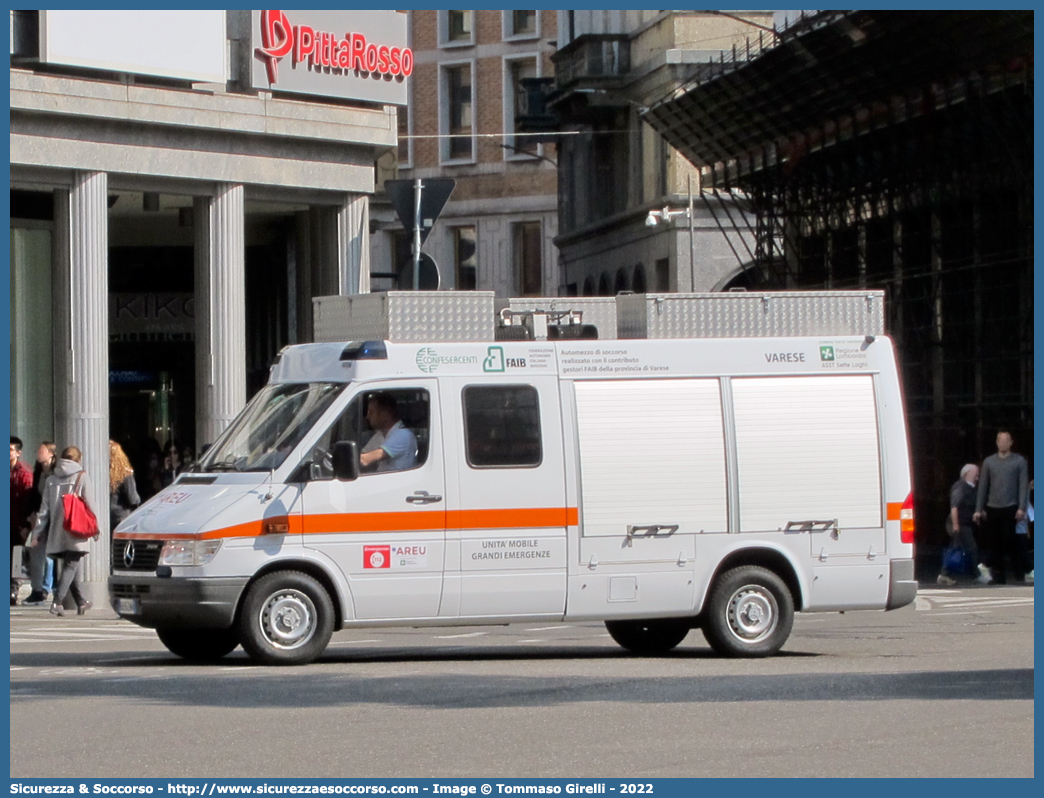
(412, 409)
(502, 426)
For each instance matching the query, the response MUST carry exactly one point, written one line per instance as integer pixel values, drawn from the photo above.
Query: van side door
(651, 472)
(507, 516)
(386, 529)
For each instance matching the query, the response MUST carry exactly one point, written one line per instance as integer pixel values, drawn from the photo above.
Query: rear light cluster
(906, 521)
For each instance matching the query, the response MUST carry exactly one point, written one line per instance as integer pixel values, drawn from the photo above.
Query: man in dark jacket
(21, 492)
(1001, 501)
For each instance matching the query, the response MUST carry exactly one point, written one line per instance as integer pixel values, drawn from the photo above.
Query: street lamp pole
(692, 243)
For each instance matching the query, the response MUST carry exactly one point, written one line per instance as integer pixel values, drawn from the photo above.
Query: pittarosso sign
(358, 55)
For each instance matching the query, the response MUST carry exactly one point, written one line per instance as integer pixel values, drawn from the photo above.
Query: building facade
(175, 207)
(894, 150)
(497, 231)
(624, 194)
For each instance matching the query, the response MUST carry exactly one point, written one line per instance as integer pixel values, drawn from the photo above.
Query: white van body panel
(659, 465)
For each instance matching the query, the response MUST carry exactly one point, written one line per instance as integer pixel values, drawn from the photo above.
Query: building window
(521, 24)
(502, 426)
(528, 259)
(638, 280)
(401, 253)
(464, 251)
(622, 283)
(663, 275)
(458, 27)
(459, 112)
(515, 71)
(403, 120)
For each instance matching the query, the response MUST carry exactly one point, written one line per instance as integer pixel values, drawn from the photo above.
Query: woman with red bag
(68, 476)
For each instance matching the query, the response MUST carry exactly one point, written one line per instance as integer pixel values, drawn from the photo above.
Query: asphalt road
(944, 688)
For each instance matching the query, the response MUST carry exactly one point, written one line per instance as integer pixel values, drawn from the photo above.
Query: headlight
(188, 552)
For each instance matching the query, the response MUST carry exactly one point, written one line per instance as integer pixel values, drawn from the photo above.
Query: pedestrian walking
(1022, 538)
(50, 524)
(960, 526)
(21, 490)
(41, 567)
(1001, 502)
(123, 494)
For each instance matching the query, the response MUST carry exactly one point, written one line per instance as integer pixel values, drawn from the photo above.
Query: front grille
(129, 591)
(135, 555)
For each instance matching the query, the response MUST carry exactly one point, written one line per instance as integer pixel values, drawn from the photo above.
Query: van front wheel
(749, 614)
(649, 637)
(199, 645)
(287, 619)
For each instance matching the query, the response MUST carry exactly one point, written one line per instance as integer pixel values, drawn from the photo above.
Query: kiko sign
(360, 55)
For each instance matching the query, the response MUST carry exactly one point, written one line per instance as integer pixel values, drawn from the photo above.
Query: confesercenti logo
(428, 360)
(348, 54)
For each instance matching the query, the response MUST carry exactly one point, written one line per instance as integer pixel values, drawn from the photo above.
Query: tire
(287, 619)
(649, 637)
(199, 645)
(749, 614)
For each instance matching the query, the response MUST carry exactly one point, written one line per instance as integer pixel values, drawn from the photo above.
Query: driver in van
(393, 447)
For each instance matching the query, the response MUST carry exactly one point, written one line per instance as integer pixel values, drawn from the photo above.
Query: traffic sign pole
(417, 186)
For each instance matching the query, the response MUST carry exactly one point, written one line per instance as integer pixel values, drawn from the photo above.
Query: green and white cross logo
(826, 353)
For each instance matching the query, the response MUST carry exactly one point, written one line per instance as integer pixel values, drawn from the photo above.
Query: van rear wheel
(749, 614)
(649, 637)
(199, 645)
(287, 619)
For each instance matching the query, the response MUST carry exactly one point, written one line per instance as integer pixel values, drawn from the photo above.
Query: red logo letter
(276, 41)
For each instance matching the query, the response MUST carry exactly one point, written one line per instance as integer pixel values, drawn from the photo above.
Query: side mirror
(345, 457)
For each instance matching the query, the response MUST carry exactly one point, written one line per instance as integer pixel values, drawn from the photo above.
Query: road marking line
(352, 642)
(123, 660)
(550, 628)
(452, 637)
(70, 639)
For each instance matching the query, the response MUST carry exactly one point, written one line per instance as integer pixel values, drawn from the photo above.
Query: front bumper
(176, 603)
(902, 588)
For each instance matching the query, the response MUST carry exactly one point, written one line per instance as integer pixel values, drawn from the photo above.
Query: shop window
(528, 258)
(502, 426)
(464, 256)
(457, 81)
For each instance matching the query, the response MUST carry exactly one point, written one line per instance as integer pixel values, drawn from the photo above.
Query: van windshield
(272, 424)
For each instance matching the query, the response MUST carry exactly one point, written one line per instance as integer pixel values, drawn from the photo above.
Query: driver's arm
(369, 458)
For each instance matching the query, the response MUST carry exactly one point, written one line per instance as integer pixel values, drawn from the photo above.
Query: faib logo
(320, 51)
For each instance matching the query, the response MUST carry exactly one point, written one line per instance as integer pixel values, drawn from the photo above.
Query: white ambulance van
(658, 484)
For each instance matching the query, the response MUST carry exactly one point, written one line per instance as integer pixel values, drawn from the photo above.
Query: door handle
(423, 497)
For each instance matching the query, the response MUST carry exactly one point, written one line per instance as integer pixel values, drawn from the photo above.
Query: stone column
(353, 223)
(220, 311)
(81, 347)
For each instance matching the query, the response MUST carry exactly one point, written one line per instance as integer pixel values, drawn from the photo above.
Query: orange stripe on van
(894, 508)
(416, 521)
(512, 519)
